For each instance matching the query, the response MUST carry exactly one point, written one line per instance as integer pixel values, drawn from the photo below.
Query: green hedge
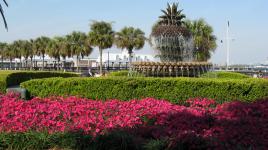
(11, 78)
(176, 90)
(224, 75)
(124, 74)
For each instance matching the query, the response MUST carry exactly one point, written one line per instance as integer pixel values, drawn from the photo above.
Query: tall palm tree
(130, 38)
(40, 46)
(27, 51)
(17, 49)
(2, 13)
(204, 40)
(31, 51)
(101, 36)
(63, 49)
(172, 15)
(2, 53)
(79, 45)
(9, 53)
(52, 49)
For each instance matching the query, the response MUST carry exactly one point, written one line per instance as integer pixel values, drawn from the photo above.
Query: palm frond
(2, 14)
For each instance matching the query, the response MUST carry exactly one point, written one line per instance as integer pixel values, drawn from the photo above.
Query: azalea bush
(147, 123)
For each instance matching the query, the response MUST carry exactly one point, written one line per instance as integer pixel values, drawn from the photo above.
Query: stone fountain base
(170, 69)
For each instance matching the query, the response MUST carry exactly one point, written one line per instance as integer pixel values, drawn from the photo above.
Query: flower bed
(201, 124)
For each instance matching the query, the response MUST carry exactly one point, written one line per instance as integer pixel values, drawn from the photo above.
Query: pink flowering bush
(201, 125)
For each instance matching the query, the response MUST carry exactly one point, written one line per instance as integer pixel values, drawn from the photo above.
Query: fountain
(175, 48)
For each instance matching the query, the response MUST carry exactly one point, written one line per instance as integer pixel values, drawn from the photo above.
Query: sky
(248, 21)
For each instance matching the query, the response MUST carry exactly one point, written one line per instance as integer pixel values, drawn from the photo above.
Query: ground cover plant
(137, 124)
(175, 90)
(224, 75)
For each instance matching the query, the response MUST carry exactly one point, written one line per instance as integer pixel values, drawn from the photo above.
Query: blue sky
(249, 21)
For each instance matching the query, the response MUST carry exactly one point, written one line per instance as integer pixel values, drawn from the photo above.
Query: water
(174, 48)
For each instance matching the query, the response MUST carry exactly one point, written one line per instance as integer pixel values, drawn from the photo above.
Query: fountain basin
(172, 69)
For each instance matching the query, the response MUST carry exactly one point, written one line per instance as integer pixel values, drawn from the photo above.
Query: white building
(123, 57)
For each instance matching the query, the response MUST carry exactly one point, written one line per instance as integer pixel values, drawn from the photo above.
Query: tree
(2, 53)
(17, 50)
(2, 13)
(101, 36)
(31, 51)
(79, 45)
(130, 38)
(52, 50)
(63, 49)
(27, 51)
(40, 46)
(204, 40)
(9, 53)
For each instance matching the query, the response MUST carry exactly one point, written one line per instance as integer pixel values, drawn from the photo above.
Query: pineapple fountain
(175, 48)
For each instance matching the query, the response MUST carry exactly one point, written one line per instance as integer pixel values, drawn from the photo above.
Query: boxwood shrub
(175, 90)
(11, 78)
(225, 75)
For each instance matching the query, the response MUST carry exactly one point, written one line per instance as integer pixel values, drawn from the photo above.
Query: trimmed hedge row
(176, 90)
(224, 75)
(124, 74)
(11, 78)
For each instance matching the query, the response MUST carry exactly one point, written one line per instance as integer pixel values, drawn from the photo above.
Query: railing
(68, 68)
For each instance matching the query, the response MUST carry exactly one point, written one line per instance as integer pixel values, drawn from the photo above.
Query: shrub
(225, 75)
(11, 78)
(175, 90)
(124, 74)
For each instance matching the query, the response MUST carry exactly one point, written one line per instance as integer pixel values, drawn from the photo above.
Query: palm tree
(52, 50)
(27, 51)
(130, 38)
(2, 53)
(9, 53)
(2, 13)
(31, 51)
(101, 36)
(17, 49)
(172, 15)
(204, 40)
(63, 49)
(40, 46)
(79, 45)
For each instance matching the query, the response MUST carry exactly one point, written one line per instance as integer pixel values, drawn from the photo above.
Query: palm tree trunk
(58, 67)
(10, 63)
(43, 62)
(130, 73)
(77, 68)
(26, 63)
(20, 66)
(63, 63)
(100, 61)
(2, 64)
(31, 68)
